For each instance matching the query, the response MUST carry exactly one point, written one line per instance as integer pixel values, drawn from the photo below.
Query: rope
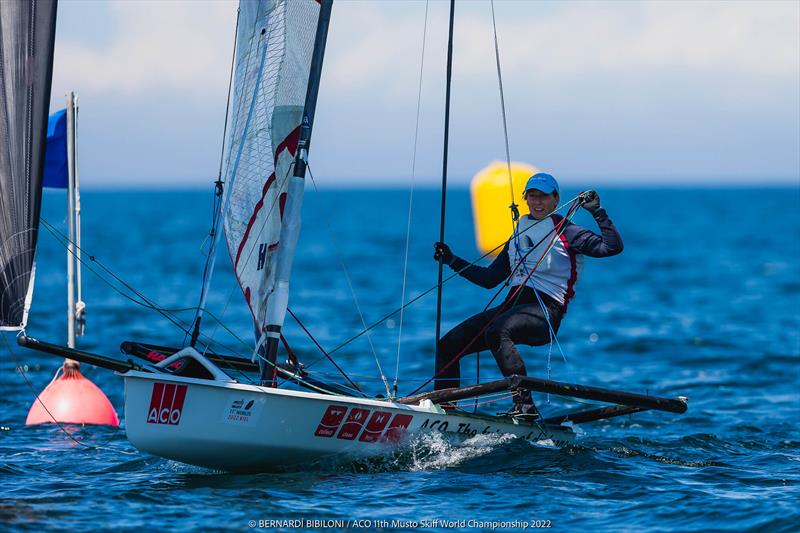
(165, 312)
(145, 302)
(410, 204)
(431, 289)
(310, 336)
(247, 259)
(513, 206)
(353, 294)
(21, 369)
(168, 313)
(149, 304)
(499, 397)
(219, 200)
(502, 308)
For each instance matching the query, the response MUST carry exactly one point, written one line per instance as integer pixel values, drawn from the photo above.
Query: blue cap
(542, 182)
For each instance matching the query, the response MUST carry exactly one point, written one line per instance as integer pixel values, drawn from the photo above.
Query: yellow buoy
(491, 198)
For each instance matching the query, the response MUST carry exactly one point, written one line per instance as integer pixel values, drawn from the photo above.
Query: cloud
(379, 44)
(592, 88)
(186, 46)
(181, 46)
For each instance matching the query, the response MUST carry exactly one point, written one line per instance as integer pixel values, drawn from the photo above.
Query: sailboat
(193, 406)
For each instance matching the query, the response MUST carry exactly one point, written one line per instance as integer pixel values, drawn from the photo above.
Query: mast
(80, 305)
(73, 227)
(444, 169)
(290, 229)
(71, 220)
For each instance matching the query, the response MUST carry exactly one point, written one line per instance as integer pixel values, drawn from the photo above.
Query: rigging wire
(310, 336)
(145, 302)
(353, 294)
(431, 289)
(261, 44)
(80, 305)
(410, 204)
(514, 208)
(228, 103)
(219, 186)
(235, 285)
(504, 306)
(249, 256)
(168, 313)
(444, 172)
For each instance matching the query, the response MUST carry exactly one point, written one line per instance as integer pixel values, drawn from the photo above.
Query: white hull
(238, 427)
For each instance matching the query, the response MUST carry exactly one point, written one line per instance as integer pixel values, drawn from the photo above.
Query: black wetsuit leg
(522, 324)
(466, 337)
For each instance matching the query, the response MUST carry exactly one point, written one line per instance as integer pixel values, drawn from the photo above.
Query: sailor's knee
(494, 334)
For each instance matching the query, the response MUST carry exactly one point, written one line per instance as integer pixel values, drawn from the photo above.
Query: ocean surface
(704, 302)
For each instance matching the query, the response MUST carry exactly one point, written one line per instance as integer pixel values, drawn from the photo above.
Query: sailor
(543, 259)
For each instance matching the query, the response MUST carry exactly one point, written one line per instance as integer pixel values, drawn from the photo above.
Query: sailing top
(533, 257)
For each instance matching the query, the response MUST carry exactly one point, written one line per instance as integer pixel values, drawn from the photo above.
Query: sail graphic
(275, 45)
(27, 35)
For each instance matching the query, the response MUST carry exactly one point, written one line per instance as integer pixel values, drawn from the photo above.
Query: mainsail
(27, 35)
(276, 43)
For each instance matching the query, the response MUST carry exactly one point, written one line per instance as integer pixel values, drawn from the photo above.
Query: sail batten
(27, 36)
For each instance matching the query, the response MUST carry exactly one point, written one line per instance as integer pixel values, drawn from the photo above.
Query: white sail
(273, 58)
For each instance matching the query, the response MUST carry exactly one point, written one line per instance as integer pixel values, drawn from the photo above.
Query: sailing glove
(590, 201)
(442, 251)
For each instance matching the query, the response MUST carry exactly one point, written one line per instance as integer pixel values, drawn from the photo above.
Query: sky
(597, 93)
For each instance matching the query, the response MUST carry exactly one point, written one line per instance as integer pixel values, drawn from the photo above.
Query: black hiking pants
(498, 329)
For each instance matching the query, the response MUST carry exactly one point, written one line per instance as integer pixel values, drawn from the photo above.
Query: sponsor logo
(397, 428)
(242, 411)
(166, 404)
(352, 426)
(376, 426)
(330, 421)
(155, 357)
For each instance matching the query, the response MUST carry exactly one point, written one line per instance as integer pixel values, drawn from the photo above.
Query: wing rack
(625, 402)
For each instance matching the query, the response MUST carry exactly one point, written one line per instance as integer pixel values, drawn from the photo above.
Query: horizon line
(771, 183)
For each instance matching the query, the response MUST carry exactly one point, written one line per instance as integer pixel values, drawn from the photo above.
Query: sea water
(704, 302)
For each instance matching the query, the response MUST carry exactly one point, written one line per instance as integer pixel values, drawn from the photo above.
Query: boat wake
(435, 451)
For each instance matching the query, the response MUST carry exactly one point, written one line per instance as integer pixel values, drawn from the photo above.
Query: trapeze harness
(538, 297)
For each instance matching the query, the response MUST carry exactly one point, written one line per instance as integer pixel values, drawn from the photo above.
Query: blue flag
(55, 156)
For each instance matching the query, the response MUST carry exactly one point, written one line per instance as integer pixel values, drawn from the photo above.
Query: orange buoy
(72, 399)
